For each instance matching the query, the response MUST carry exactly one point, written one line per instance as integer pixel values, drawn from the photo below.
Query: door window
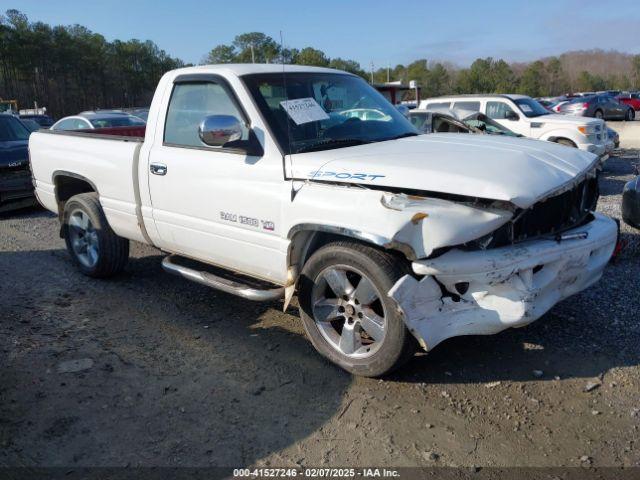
(498, 110)
(432, 106)
(189, 105)
(471, 106)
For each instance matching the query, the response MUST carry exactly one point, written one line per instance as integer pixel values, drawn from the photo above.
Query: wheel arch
(306, 238)
(557, 138)
(66, 185)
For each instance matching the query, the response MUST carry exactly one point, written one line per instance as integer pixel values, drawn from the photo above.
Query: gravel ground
(148, 369)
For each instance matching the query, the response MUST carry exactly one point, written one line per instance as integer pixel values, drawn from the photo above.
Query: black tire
(599, 114)
(112, 251)
(566, 142)
(382, 270)
(630, 115)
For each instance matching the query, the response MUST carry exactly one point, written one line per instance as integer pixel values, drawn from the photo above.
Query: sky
(382, 32)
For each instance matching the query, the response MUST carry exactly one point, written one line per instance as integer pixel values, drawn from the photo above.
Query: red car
(632, 99)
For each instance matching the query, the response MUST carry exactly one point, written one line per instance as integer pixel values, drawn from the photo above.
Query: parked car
(456, 121)
(45, 121)
(613, 137)
(16, 189)
(142, 112)
(602, 106)
(426, 121)
(31, 125)
(631, 99)
(392, 239)
(631, 203)
(93, 120)
(525, 116)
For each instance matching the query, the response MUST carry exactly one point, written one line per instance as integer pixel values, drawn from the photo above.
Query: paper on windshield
(526, 108)
(304, 110)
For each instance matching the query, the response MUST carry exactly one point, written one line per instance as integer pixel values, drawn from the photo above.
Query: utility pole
(371, 73)
(253, 54)
(388, 72)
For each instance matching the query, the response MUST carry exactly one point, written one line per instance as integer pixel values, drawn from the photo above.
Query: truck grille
(549, 217)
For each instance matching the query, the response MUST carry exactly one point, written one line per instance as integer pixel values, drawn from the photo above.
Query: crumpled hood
(516, 170)
(12, 152)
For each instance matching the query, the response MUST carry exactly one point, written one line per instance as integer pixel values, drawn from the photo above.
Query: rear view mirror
(217, 130)
(226, 131)
(511, 115)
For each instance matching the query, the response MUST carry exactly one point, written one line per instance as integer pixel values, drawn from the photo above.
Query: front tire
(630, 115)
(94, 248)
(346, 311)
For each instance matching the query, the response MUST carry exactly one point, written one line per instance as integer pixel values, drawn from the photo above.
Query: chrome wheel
(348, 311)
(84, 238)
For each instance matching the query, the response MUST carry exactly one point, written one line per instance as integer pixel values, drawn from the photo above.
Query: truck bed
(107, 160)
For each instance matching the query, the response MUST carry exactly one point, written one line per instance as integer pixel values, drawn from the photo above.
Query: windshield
(116, 122)
(530, 107)
(11, 129)
(320, 111)
(483, 123)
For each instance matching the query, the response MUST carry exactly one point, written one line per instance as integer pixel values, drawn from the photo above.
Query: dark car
(631, 203)
(16, 189)
(141, 112)
(32, 125)
(45, 121)
(599, 106)
(614, 137)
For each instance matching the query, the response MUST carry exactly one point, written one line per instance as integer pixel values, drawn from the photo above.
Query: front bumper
(501, 288)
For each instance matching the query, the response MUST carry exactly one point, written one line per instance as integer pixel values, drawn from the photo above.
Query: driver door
(215, 204)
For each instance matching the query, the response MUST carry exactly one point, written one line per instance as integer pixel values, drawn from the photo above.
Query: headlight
(587, 129)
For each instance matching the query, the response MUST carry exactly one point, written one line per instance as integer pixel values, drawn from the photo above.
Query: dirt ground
(148, 369)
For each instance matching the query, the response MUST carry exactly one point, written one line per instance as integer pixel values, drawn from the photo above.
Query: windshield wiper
(332, 143)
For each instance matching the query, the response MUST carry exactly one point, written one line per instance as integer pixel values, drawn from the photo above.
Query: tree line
(545, 77)
(70, 68)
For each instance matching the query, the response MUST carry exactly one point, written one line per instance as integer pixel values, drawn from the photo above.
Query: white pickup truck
(525, 116)
(263, 181)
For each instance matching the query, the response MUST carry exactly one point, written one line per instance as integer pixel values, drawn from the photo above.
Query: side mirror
(511, 115)
(217, 130)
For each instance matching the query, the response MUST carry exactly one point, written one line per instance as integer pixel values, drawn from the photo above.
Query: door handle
(158, 168)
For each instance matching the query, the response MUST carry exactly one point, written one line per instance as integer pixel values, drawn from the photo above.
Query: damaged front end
(505, 267)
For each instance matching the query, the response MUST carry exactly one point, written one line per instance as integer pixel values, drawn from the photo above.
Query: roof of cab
(240, 69)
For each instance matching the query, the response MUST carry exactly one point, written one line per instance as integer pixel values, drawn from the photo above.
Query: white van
(526, 116)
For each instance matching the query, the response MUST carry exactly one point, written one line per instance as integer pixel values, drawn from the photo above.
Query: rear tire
(599, 114)
(566, 142)
(94, 248)
(339, 323)
(630, 115)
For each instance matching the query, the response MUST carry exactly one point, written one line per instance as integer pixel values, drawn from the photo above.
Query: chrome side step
(219, 283)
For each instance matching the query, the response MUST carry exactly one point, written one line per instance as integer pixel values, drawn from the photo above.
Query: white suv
(527, 117)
